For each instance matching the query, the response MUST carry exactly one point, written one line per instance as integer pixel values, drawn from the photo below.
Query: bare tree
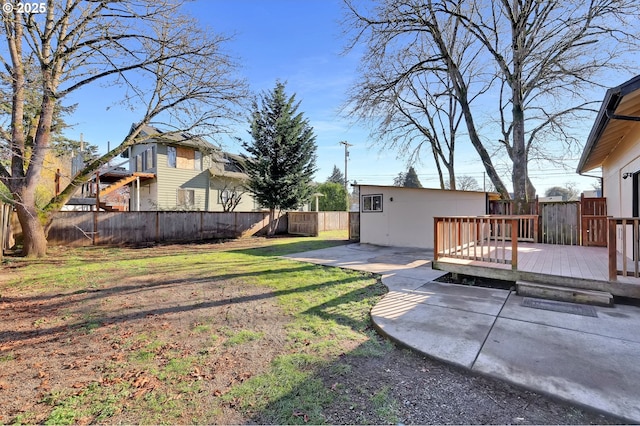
(417, 40)
(169, 70)
(540, 59)
(468, 183)
(546, 53)
(231, 194)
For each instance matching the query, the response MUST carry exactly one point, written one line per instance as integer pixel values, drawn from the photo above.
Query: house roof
(619, 112)
(227, 165)
(177, 138)
(423, 189)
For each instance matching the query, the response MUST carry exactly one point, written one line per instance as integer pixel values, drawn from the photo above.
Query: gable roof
(620, 110)
(228, 165)
(177, 138)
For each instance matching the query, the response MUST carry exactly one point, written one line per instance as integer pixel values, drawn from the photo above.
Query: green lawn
(325, 313)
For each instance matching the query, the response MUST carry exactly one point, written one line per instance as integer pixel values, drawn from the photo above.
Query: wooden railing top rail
(491, 216)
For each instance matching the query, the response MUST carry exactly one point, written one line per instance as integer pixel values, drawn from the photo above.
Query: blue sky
(299, 42)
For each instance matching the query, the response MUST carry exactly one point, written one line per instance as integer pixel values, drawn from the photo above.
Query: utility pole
(346, 156)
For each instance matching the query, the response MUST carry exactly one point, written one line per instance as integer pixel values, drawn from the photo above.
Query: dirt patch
(476, 281)
(119, 336)
(134, 348)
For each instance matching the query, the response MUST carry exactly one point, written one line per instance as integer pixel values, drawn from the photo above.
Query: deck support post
(435, 238)
(611, 247)
(514, 244)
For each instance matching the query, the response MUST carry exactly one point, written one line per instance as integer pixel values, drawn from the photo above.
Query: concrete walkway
(589, 361)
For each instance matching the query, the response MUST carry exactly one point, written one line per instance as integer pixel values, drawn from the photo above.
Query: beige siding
(618, 191)
(148, 195)
(218, 184)
(624, 159)
(162, 192)
(171, 179)
(407, 221)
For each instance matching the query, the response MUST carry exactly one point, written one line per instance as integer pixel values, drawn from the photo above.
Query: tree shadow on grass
(54, 331)
(283, 249)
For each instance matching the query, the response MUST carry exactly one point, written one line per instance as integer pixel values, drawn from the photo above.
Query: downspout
(600, 178)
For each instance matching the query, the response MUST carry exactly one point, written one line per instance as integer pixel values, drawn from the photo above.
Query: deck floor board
(589, 263)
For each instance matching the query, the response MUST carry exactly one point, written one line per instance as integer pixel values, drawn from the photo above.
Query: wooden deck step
(565, 294)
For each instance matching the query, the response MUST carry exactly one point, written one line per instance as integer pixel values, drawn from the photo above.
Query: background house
(190, 174)
(403, 217)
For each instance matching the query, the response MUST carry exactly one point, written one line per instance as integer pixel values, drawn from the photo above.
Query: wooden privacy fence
(483, 238)
(506, 207)
(354, 226)
(114, 228)
(560, 223)
(312, 223)
(5, 226)
(581, 222)
(624, 247)
(593, 221)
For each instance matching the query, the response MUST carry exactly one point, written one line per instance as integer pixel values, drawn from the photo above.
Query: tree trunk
(461, 91)
(273, 222)
(34, 239)
(520, 156)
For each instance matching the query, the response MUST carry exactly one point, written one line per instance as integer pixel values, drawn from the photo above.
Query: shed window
(372, 203)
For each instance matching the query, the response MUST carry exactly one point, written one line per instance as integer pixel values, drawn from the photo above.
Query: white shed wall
(407, 221)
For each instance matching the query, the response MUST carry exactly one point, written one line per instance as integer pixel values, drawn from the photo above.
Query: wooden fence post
(157, 226)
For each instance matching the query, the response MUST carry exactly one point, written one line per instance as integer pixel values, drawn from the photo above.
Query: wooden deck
(572, 266)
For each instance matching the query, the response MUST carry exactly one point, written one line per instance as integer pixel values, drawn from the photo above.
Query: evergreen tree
(399, 180)
(335, 197)
(336, 176)
(411, 179)
(282, 155)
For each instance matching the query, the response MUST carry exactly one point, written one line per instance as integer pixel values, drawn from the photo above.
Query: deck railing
(624, 247)
(483, 238)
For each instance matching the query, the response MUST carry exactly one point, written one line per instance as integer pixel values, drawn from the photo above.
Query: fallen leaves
(304, 416)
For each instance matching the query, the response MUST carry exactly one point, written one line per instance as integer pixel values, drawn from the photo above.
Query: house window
(149, 161)
(186, 197)
(171, 156)
(146, 160)
(225, 195)
(372, 203)
(184, 158)
(197, 162)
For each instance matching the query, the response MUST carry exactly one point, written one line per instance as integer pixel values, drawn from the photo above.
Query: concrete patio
(590, 361)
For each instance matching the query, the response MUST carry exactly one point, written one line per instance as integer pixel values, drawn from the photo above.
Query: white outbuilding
(403, 217)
